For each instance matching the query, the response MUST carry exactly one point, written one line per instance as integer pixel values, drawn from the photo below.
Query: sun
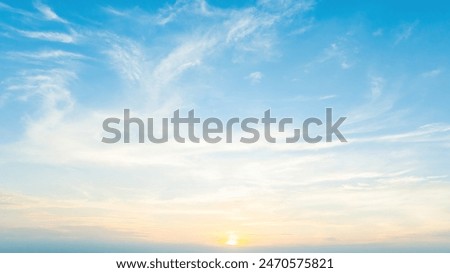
(232, 240)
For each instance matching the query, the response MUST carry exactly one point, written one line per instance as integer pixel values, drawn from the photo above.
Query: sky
(66, 66)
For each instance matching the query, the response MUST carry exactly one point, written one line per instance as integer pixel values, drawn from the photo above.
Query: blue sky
(67, 66)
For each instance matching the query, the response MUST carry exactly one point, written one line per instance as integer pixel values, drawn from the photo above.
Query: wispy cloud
(335, 51)
(47, 54)
(246, 23)
(255, 77)
(50, 36)
(168, 14)
(432, 73)
(428, 132)
(128, 59)
(327, 97)
(405, 32)
(187, 55)
(376, 87)
(8, 8)
(48, 13)
(377, 33)
(50, 87)
(340, 51)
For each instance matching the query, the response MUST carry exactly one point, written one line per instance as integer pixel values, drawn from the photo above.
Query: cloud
(376, 86)
(243, 24)
(378, 32)
(128, 59)
(327, 97)
(428, 132)
(255, 77)
(168, 14)
(244, 31)
(115, 12)
(50, 36)
(377, 112)
(432, 73)
(248, 30)
(405, 32)
(197, 8)
(335, 51)
(340, 51)
(50, 87)
(185, 56)
(48, 13)
(25, 13)
(47, 54)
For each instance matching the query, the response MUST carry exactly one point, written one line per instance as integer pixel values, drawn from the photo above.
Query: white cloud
(49, 36)
(188, 54)
(6, 7)
(376, 86)
(243, 24)
(302, 30)
(405, 32)
(432, 73)
(339, 51)
(286, 8)
(115, 12)
(427, 132)
(48, 13)
(247, 30)
(48, 54)
(377, 112)
(128, 59)
(255, 77)
(327, 97)
(168, 14)
(50, 87)
(378, 32)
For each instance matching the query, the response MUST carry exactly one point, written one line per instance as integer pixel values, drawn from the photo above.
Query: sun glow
(232, 240)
